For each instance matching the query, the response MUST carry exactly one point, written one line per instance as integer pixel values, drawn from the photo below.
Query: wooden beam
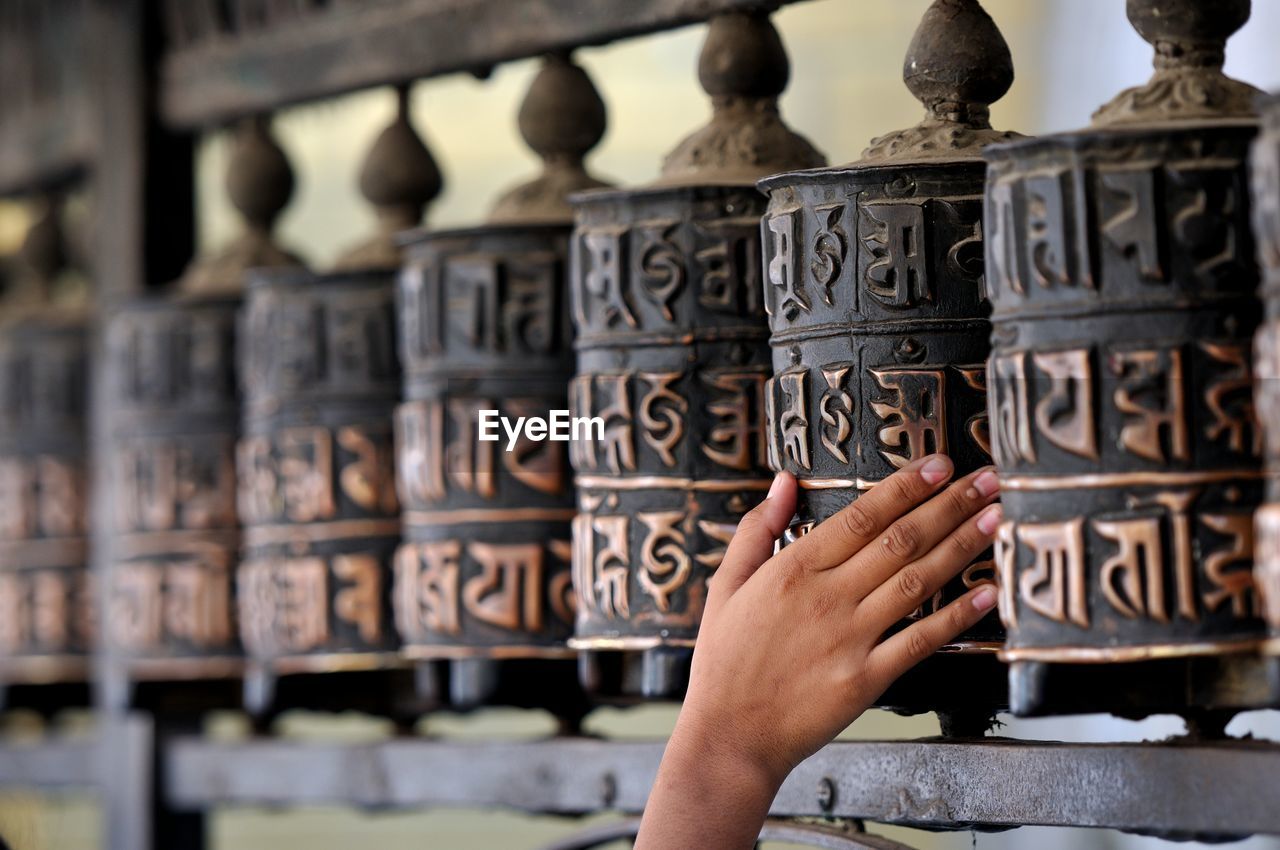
(345, 47)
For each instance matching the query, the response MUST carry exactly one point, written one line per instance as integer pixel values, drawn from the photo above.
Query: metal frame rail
(1183, 788)
(114, 764)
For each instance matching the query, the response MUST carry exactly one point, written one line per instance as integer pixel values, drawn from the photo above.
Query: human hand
(790, 648)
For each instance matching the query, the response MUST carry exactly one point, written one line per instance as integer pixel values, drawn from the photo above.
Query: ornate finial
(958, 64)
(561, 118)
(743, 66)
(259, 183)
(399, 178)
(43, 253)
(1190, 38)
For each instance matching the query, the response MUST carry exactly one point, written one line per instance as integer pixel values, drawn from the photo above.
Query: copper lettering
(978, 426)
(508, 590)
(788, 297)
(1054, 586)
(603, 278)
(736, 436)
(661, 267)
(915, 418)
(468, 461)
(1133, 578)
(1065, 414)
(306, 472)
(1150, 390)
(664, 564)
(836, 410)
(359, 600)
(897, 275)
(830, 248)
(662, 414)
(1229, 398)
(1135, 229)
(538, 465)
(1236, 584)
(369, 480)
(731, 273)
(1011, 435)
(426, 589)
(794, 418)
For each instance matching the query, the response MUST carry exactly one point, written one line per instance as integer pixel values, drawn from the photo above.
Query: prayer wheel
(483, 576)
(320, 378)
(47, 625)
(672, 360)
(1122, 276)
(878, 312)
(1265, 176)
(172, 421)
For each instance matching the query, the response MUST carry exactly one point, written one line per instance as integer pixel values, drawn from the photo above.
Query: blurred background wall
(1070, 55)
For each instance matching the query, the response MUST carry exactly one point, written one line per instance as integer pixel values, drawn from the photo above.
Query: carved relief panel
(484, 326)
(875, 292)
(673, 359)
(172, 414)
(315, 466)
(1122, 277)
(46, 602)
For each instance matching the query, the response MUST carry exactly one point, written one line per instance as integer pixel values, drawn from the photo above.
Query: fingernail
(985, 599)
(935, 469)
(775, 486)
(989, 520)
(987, 483)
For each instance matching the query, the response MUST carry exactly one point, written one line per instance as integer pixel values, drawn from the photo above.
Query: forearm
(705, 797)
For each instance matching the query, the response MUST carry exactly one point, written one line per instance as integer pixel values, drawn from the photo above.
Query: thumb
(752, 543)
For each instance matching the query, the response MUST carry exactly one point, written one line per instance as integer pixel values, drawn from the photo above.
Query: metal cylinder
(484, 569)
(47, 622)
(172, 418)
(875, 293)
(1122, 277)
(1265, 177)
(317, 497)
(483, 576)
(672, 358)
(672, 363)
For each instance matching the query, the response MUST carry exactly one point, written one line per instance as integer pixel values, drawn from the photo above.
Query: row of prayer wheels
(291, 477)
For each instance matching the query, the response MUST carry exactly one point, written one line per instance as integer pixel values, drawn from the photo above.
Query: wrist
(715, 759)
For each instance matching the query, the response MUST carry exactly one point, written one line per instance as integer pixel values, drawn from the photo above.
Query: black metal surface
(1122, 277)
(1184, 788)
(317, 495)
(879, 335)
(672, 356)
(46, 606)
(172, 419)
(874, 286)
(1121, 403)
(484, 321)
(1265, 178)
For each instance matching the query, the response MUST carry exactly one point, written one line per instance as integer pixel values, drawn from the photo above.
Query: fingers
(833, 541)
(917, 533)
(752, 543)
(918, 641)
(910, 587)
